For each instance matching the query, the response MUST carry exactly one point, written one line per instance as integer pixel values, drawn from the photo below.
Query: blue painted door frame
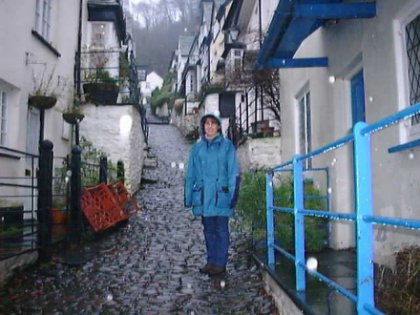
(358, 98)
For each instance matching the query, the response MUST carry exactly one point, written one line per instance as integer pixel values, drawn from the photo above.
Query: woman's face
(211, 127)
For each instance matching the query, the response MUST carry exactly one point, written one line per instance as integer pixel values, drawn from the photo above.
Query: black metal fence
(43, 207)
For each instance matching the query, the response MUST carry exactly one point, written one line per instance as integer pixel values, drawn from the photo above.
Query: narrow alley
(150, 265)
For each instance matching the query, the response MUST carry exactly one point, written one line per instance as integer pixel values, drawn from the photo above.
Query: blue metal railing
(363, 216)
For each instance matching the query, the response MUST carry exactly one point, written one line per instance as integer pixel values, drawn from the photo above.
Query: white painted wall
(22, 56)
(117, 131)
(374, 45)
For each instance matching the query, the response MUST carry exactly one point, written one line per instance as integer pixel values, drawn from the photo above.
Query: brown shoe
(216, 270)
(206, 268)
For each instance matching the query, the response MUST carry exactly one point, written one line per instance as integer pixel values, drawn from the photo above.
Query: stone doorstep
(150, 162)
(12, 265)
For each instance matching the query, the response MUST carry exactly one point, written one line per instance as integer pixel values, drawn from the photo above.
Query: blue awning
(295, 20)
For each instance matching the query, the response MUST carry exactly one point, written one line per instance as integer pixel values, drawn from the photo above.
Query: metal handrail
(363, 216)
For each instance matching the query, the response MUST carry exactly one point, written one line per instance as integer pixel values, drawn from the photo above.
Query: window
(3, 115)
(98, 34)
(43, 18)
(236, 63)
(32, 130)
(304, 122)
(412, 37)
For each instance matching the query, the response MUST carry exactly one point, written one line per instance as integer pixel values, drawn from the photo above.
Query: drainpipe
(260, 40)
(78, 52)
(260, 22)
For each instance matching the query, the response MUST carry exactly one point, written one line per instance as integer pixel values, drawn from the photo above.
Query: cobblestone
(148, 266)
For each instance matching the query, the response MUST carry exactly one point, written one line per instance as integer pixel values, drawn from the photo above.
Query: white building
(153, 81)
(34, 52)
(114, 127)
(361, 69)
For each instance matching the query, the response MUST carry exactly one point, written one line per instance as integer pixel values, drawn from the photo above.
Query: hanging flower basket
(42, 101)
(73, 117)
(101, 93)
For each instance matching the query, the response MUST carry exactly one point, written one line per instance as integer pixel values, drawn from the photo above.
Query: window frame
(304, 126)
(96, 30)
(405, 16)
(3, 117)
(43, 10)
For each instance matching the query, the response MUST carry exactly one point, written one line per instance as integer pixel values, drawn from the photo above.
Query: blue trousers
(216, 234)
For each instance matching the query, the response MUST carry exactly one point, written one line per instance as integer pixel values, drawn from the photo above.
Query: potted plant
(73, 113)
(100, 87)
(43, 95)
(58, 211)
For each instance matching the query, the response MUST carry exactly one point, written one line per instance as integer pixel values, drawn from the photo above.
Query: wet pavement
(148, 266)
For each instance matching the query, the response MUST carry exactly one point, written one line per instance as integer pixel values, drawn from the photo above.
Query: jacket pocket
(197, 196)
(222, 197)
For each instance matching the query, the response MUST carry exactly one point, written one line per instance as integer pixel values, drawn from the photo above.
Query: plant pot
(179, 105)
(101, 93)
(72, 117)
(58, 216)
(42, 101)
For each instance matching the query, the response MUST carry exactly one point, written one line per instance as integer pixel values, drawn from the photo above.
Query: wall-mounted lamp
(233, 33)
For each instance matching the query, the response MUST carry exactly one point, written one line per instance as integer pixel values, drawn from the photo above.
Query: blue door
(357, 109)
(358, 98)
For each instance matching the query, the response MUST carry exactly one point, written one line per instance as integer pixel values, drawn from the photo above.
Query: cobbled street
(148, 266)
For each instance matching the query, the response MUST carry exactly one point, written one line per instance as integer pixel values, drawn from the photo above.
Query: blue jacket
(212, 178)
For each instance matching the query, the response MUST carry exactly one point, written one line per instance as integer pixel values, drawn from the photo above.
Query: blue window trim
(404, 146)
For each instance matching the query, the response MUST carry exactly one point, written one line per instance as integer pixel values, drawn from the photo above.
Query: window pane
(413, 54)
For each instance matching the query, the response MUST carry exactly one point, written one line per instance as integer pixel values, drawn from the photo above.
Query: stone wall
(260, 153)
(117, 130)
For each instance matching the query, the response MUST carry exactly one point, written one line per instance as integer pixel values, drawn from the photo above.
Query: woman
(211, 189)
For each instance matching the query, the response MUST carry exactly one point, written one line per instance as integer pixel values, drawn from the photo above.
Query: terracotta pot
(42, 101)
(58, 216)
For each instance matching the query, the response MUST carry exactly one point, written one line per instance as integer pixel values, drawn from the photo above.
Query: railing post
(45, 192)
(364, 241)
(103, 169)
(76, 191)
(270, 219)
(299, 224)
(120, 170)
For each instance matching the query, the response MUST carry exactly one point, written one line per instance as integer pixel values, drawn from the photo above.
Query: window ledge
(405, 146)
(10, 156)
(45, 43)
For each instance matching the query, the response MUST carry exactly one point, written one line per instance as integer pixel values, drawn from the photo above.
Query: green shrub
(252, 204)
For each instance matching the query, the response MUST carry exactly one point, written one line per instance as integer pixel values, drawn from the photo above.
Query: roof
(295, 20)
(184, 43)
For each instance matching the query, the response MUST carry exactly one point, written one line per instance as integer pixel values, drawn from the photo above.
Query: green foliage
(163, 95)
(10, 231)
(252, 203)
(211, 88)
(100, 76)
(90, 164)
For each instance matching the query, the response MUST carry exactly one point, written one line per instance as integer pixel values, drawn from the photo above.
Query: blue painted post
(270, 219)
(363, 171)
(299, 224)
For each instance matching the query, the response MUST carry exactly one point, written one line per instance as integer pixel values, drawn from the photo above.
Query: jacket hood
(209, 115)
